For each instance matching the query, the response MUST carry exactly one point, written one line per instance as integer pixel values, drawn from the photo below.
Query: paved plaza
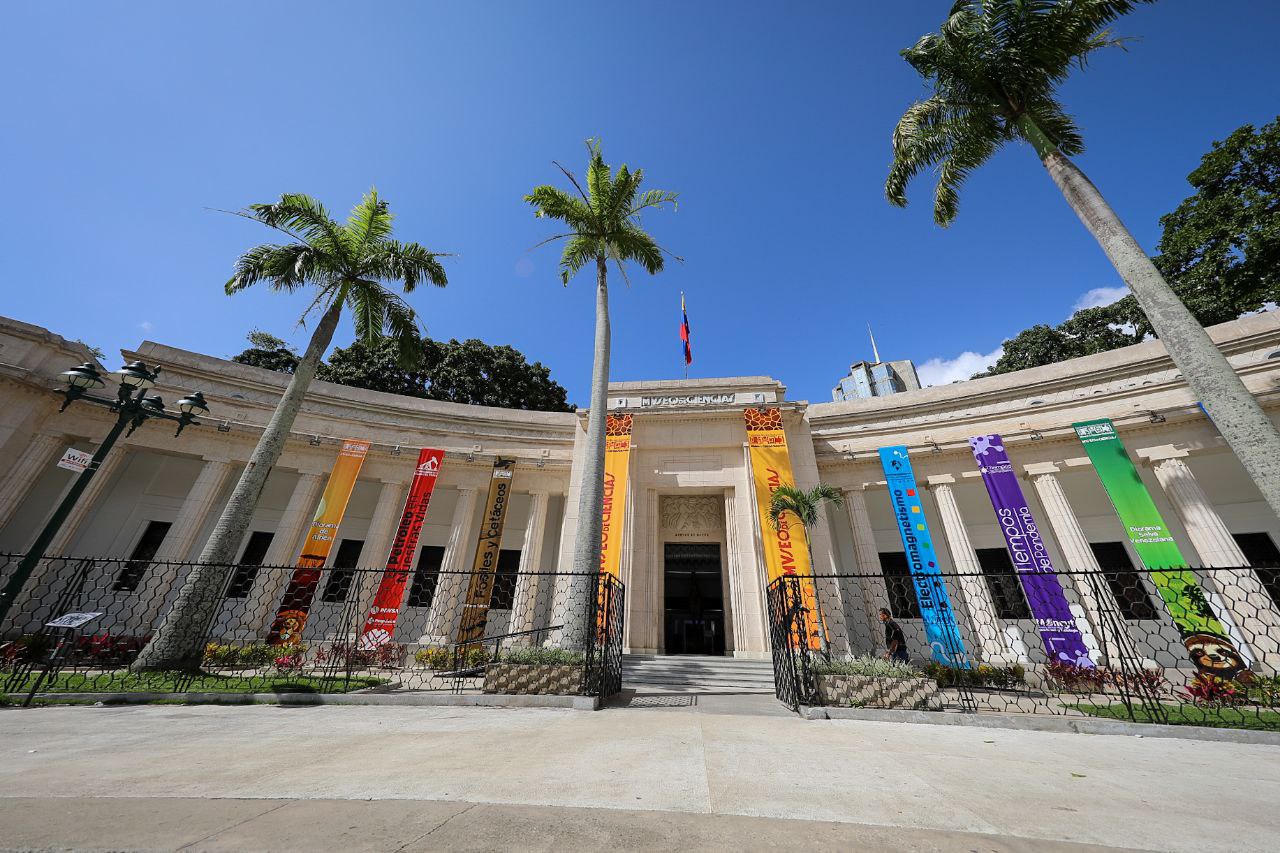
(649, 777)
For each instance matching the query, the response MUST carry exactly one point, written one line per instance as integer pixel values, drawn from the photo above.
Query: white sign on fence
(72, 620)
(75, 460)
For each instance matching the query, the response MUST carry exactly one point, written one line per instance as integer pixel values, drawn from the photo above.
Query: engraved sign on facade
(688, 400)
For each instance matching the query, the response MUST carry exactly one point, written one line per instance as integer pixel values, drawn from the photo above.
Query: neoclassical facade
(691, 555)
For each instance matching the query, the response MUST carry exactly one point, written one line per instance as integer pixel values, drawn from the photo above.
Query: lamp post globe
(193, 405)
(136, 375)
(83, 378)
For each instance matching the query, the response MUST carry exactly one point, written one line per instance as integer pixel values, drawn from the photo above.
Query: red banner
(380, 626)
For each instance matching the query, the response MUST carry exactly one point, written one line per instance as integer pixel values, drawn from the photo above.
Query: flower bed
(868, 682)
(555, 672)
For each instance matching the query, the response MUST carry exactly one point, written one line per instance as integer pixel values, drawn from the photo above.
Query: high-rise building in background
(876, 378)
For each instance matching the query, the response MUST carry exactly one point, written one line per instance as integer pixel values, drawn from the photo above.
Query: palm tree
(805, 505)
(603, 224)
(345, 265)
(994, 69)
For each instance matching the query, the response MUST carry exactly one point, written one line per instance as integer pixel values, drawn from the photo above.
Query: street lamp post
(133, 406)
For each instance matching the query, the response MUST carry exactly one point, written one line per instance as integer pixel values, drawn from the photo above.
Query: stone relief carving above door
(693, 513)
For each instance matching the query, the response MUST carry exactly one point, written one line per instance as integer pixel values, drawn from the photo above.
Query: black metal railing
(87, 625)
(1181, 645)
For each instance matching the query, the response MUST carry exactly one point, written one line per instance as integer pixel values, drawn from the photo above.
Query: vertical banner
(617, 459)
(380, 625)
(1202, 633)
(786, 547)
(475, 612)
(617, 462)
(940, 626)
(1049, 606)
(291, 617)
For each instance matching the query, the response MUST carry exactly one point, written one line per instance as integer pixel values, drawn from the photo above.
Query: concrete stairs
(693, 673)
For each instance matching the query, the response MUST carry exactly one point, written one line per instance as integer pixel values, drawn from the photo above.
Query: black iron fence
(90, 625)
(1184, 645)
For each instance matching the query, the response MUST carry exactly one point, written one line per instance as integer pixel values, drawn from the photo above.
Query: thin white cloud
(1098, 297)
(145, 325)
(943, 371)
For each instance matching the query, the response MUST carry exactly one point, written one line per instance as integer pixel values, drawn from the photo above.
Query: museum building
(690, 543)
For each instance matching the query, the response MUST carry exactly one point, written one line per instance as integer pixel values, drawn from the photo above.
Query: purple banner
(1049, 607)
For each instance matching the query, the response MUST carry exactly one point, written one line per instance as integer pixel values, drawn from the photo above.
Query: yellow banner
(617, 457)
(475, 612)
(291, 618)
(786, 547)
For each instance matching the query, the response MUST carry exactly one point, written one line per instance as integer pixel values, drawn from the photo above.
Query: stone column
(977, 598)
(202, 499)
(88, 500)
(1243, 597)
(1074, 546)
(524, 611)
(295, 521)
(377, 541)
(41, 452)
(446, 607)
(260, 606)
(873, 590)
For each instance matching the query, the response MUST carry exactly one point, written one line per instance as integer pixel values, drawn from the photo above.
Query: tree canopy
(468, 371)
(1220, 251)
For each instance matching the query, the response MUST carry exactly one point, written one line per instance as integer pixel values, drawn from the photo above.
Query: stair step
(694, 671)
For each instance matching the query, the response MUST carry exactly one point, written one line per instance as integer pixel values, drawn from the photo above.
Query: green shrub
(983, 675)
(871, 666)
(434, 657)
(542, 657)
(442, 657)
(252, 655)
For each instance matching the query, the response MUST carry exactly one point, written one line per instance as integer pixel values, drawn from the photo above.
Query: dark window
(504, 584)
(1263, 555)
(897, 577)
(1126, 585)
(140, 560)
(343, 571)
(426, 576)
(247, 571)
(1003, 584)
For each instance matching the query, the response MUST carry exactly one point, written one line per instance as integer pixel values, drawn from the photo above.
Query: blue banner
(940, 626)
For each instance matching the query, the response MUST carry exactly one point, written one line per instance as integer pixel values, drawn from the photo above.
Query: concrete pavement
(473, 778)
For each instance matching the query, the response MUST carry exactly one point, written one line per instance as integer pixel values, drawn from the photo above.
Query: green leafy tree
(344, 265)
(1221, 247)
(994, 68)
(269, 352)
(470, 371)
(602, 224)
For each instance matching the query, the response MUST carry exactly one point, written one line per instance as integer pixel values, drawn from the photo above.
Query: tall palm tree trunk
(586, 546)
(179, 641)
(1235, 412)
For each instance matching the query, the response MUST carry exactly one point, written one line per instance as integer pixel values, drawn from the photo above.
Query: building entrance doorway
(693, 598)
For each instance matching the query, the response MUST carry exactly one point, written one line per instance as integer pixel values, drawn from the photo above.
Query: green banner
(1203, 634)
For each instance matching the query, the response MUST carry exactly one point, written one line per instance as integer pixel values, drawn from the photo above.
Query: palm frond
(578, 252)
(369, 223)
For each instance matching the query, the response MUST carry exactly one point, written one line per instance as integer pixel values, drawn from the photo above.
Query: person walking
(894, 640)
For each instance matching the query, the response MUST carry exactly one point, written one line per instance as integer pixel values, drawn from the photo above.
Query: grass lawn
(1191, 715)
(123, 681)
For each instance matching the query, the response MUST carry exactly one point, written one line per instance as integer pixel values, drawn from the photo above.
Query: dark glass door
(693, 599)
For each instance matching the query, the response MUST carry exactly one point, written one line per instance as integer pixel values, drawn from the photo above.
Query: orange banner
(786, 547)
(617, 458)
(475, 612)
(291, 618)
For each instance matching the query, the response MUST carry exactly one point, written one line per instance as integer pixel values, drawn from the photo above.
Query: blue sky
(128, 121)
